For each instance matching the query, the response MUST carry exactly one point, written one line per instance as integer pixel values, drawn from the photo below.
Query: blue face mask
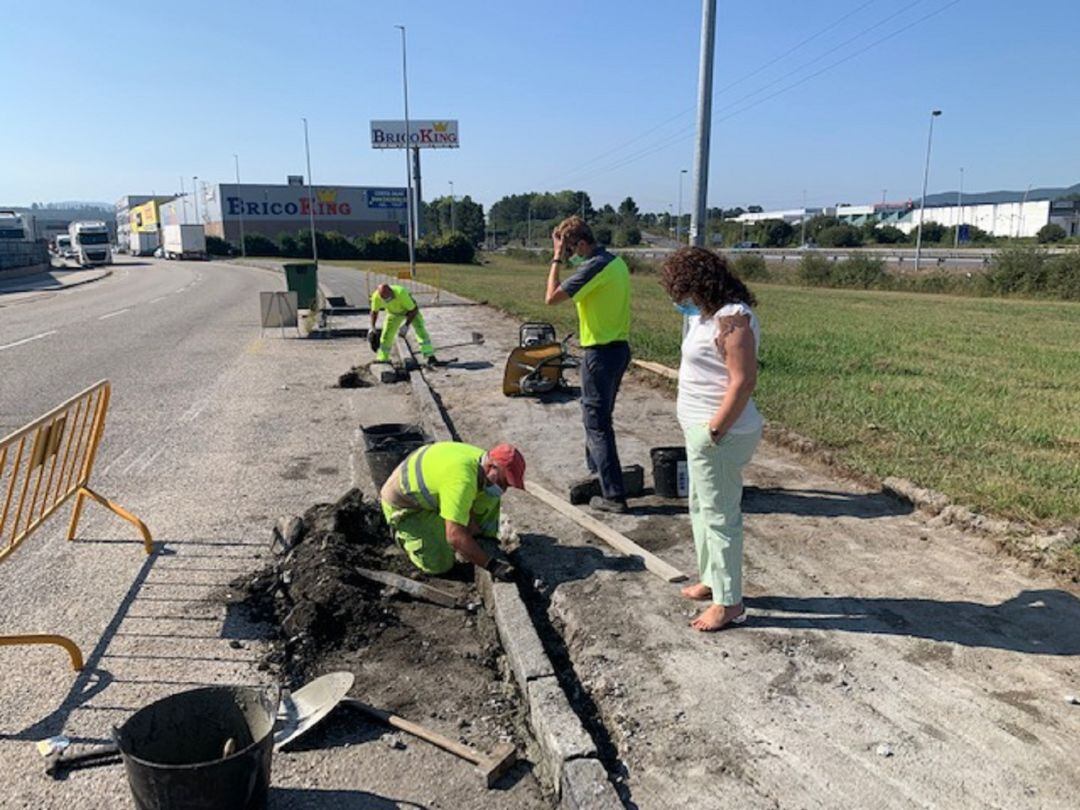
(494, 490)
(686, 308)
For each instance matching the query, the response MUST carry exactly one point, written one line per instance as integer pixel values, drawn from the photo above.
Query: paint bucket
(177, 753)
(387, 445)
(670, 478)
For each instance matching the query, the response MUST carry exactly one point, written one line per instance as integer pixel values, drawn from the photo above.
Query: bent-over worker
(400, 309)
(445, 495)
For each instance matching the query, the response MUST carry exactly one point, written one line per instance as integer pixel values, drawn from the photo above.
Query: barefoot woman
(719, 420)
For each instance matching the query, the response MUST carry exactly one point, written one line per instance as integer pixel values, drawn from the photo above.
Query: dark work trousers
(602, 371)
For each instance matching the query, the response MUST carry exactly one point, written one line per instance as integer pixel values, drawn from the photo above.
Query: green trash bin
(303, 279)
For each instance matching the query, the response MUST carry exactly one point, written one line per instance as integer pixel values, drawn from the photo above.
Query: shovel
(302, 710)
(475, 339)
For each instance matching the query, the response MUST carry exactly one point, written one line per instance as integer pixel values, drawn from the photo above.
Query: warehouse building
(271, 210)
(124, 207)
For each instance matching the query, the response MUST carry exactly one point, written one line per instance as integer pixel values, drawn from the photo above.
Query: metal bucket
(177, 753)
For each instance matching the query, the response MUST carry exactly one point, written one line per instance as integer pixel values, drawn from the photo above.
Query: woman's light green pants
(715, 481)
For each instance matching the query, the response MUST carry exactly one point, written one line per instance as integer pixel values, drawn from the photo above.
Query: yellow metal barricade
(44, 464)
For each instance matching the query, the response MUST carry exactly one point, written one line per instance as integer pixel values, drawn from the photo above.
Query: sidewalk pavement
(52, 280)
(887, 661)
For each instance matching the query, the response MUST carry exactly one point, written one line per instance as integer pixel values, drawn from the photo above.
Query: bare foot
(697, 592)
(716, 617)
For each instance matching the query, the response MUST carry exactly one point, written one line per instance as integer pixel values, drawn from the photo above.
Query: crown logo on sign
(326, 195)
(439, 126)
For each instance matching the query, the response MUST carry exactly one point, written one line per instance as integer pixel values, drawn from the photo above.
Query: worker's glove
(500, 569)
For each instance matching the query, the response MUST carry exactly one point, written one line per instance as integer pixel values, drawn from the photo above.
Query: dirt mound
(356, 377)
(312, 593)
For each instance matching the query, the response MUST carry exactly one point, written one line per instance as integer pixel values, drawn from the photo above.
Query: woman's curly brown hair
(705, 278)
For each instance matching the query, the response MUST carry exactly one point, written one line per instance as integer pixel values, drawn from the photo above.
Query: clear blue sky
(103, 99)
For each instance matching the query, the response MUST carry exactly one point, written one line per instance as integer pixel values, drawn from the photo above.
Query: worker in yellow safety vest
(400, 309)
(445, 495)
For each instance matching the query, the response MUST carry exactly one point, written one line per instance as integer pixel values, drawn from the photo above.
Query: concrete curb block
(585, 786)
(562, 739)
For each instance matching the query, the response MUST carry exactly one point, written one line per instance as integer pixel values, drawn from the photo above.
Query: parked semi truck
(144, 243)
(183, 242)
(90, 243)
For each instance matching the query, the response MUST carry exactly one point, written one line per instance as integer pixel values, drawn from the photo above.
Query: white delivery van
(183, 242)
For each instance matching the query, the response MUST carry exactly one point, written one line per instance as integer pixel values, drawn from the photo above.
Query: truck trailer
(144, 243)
(90, 243)
(183, 242)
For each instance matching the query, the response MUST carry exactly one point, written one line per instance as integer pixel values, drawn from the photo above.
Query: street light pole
(678, 222)
(704, 122)
(1023, 204)
(926, 179)
(410, 209)
(195, 197)
(311, 197)
(959, 209)
(802, 241)
(243, 247)
(453, 225)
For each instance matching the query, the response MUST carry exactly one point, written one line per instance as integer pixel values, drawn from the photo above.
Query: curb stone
(565, 746)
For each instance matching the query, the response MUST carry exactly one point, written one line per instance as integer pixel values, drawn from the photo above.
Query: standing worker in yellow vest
(400, 309)
(600, 290)
(443, 496)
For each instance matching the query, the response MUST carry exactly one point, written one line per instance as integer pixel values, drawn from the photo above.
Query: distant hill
(989, 197)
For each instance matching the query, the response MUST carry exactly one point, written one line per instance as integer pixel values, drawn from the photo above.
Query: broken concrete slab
(557, 728)
(585, 786)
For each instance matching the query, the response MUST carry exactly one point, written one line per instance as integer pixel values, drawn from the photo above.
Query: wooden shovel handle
(416, 730)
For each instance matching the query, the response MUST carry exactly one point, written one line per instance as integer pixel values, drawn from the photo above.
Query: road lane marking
(114, 314)
(114, 461)
(159, 298)
(27, 340)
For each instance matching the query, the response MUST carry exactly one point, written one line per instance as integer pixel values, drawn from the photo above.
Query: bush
(453, 248)
(1017, 269)
(889, 235)
(934, 231)
(839, 236)
(334, 245)
(1051, 232)
(290, 248)
(386, 246)
(774, 233)
(638, 265)
(216, 246)
(255, 244)
(751, 267)
(1063, 276)
(630, 235)
(815, 270)
(602, 234)
(858, 271)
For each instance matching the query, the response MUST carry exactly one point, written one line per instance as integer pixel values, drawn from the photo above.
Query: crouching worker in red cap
(445, 495)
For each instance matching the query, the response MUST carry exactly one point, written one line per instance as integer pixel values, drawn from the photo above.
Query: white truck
(144, 243)
(90, 243)
(12, 226)
(183, 242)
(63, 246)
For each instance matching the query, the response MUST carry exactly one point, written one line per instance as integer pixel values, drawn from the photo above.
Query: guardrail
(44, 464)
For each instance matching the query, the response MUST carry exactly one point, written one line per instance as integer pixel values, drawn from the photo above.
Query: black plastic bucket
(379, 437)
(383, 462)
(669, 471)
(173, 749)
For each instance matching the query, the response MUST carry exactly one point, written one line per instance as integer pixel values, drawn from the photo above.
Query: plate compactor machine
(536, 366)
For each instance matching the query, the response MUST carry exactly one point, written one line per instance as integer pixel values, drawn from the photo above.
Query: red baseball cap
(509, 459)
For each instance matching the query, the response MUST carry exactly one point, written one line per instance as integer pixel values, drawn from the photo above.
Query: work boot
(602, 504)
(382, 357)
(432, 361)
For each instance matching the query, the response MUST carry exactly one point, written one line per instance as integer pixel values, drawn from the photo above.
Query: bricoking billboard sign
(441, 134)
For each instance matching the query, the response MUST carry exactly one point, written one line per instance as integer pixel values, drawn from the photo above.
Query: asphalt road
(214, 431)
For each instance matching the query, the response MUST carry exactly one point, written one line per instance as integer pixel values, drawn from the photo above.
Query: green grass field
(977, 398)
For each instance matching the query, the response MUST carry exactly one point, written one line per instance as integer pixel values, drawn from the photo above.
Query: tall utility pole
(528, 227)
(243, 247)
(183, 200)
(410, 208)
(926, 179)
(959, 209)
(311, 197)
(1023, 204)
(453, 224)
(678, 222)
(195, 197)
(704, 122)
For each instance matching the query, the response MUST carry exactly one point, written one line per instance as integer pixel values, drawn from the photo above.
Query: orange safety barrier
(44, 464)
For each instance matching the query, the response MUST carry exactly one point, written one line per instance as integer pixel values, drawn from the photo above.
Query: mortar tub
(172, 749)
(377, 437)
(669, 471)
